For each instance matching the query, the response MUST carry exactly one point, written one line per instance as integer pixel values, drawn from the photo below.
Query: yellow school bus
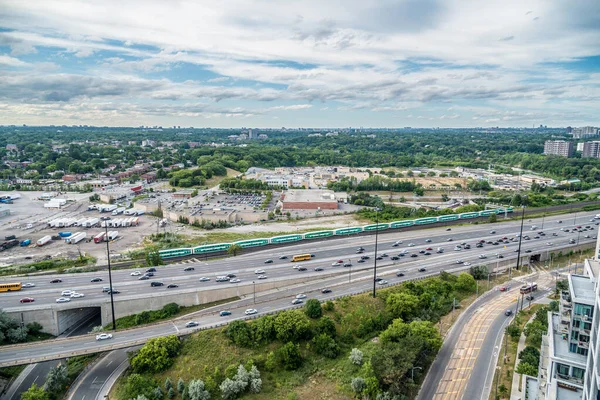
(301, 257)
(10, 287)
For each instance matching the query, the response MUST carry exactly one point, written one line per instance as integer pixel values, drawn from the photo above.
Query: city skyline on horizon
(429, 63)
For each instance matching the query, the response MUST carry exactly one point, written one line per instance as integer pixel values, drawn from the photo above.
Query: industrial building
(558, 148)
(311, 199)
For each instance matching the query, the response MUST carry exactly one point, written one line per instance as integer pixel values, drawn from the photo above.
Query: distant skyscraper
(251, 134)
(558, 148)
(591, 150)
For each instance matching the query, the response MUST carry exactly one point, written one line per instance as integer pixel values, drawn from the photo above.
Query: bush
(329, 306)
(326, 346)
(137, 384)
(327, 326)
(514, 331)
(180, 385)
(356, 357)
(158, 393)
(197, 390)
(34, 328)
(313, 309)
(289, 356)
(156, 355)
(240, 333)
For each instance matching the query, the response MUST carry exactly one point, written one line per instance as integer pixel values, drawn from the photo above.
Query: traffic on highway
(330, 258)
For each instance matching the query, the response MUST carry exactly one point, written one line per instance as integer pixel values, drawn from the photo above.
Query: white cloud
(291, 108)
(11, 61)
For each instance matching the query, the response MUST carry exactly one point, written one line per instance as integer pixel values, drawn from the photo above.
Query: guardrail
(212, 326)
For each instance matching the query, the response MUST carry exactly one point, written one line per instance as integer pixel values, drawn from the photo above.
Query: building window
(562, 369)
(574, 335)
(587, 325)
(582, 351)
(578, 372)
(573, 348)
(583, 309)
(576, 323)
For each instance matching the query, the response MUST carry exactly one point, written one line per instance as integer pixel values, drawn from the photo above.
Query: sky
(302, 63)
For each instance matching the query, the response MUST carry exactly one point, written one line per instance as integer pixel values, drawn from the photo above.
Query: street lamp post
(112, 301)
(412, 373)
(520, 239)
(376, 236)
(254, 295)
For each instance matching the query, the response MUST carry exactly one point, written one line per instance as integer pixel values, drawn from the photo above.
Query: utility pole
(376, 235)
(505, 344)
(520, 239)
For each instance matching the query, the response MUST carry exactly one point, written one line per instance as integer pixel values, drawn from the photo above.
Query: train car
(318, 234)
(375, 227)
(468, 215)
(252, 243)
(211, 248)
(285, 239)
(449, 217)
(402, 224)
(486, 213)
(348, 231)
(425, 221)
(171, 253)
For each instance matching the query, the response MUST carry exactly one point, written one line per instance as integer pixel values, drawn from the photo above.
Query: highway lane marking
(175, 326)
(109, 363)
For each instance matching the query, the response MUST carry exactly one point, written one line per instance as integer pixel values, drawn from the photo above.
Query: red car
(340, 261)
(27, 300)
(503, 288)
(429, 249)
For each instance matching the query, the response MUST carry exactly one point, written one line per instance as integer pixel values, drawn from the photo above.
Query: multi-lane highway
(326, 253)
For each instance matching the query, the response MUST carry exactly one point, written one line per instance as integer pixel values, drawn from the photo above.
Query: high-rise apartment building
(570, 354)
(558, 148)
(591, 150)
(584, 132)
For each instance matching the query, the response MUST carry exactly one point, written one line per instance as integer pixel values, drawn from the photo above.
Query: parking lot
(29, 220)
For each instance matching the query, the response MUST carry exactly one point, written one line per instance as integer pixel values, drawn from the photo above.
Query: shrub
(180, 385)
(289, 356)
(313, 309)
(326, 346)
(156, 355)
(240, 333)
(356, 357)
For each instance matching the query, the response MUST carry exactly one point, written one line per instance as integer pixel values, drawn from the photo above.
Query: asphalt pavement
(341, 284)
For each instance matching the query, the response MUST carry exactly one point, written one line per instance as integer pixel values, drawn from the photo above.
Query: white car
(549, 243)
(67, 293)
(262, 277)
(235, 280)
(466, 263)
(63, 300)
(104, 336)
(301, 296)
(259, 271)
(135, 273)
(382, 282)
(411, 245)
(76, 295)
(28, 284)
(251, 311)
(204, 279)
(297, 266)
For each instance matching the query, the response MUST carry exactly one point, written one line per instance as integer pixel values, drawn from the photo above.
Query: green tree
(289, 356)
(326, 346)
(56, 379)
(514, 331)
(153, 258)
(156, 355)
(527, 369)
(180, 385)
(493, 218)
(197, 390)
(479, 272)
(313, 309)
(234, 250)
(137, 384)
(466, 283)
(171, 393)
(402, 305)
(358, 386)
(292, 325)
(168, 383)
(35, 393)
(240, 333)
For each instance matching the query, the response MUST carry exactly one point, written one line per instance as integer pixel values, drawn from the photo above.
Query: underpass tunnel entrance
(78, 321)
(535, 258)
